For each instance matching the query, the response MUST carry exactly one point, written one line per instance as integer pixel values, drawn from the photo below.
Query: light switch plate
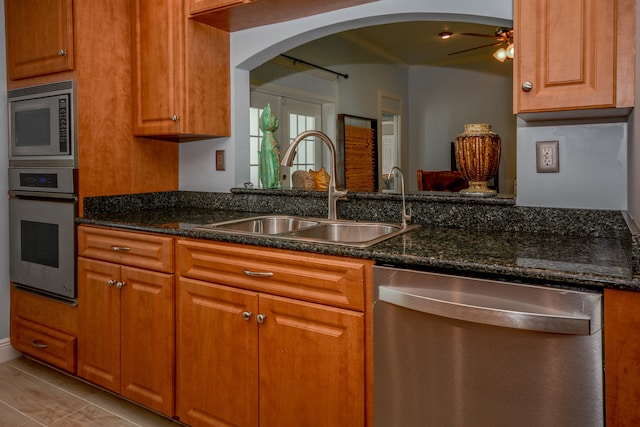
(220, 166)
(547, 159)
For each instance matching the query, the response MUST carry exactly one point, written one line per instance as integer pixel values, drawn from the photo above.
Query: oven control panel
(42, 180)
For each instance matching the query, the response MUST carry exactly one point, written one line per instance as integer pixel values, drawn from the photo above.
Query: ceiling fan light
(500, 54)
(510, 50)
(445, 35)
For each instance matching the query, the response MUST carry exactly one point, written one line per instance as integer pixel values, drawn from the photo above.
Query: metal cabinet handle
(246, 315)
(527, 86)
(120, 285)
(120, 248)
(62, 52)
(260, 318)
(111, 282)
(175, 118)
(257, 273)
(39, 344)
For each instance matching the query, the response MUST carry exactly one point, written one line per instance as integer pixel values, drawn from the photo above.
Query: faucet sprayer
(334, 194)
(406, 212)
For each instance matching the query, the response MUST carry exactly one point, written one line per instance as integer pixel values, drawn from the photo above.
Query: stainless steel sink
(269, 225)
(347, 232)
(338, 232)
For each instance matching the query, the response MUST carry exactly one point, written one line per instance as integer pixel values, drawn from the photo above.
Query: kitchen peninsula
(591, 250)
(489, 238)
(143, 250)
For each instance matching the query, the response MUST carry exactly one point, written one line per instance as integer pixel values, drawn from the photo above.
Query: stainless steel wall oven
(42, 188)
(42, 212)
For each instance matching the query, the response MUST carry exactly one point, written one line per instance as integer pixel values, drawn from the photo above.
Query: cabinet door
(157, 49)
(567, 51)
(181, 77)
(99, 323)
(622, 357)
(217, 342)
(311, 365)
(147, 338)
(39, 37)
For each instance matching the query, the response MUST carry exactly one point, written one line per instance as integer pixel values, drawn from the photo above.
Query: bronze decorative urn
(478, 158)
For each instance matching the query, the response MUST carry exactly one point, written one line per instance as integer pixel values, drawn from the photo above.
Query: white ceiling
(407, 44)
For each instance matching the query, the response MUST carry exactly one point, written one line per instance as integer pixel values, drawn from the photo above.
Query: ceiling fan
(503, 37)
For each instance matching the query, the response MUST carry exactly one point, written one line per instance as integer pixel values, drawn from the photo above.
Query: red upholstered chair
(441, 181)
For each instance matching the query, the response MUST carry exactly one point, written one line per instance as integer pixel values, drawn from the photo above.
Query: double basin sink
(339, 232)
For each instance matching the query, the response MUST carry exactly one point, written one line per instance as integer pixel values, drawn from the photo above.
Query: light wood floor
(33, 395)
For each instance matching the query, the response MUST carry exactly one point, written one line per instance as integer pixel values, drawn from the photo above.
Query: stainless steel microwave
(42, 126)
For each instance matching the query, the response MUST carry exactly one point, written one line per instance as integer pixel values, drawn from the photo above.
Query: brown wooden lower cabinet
(126, 334)
(622, 357)
(44, 328)
(289, 345)
(248, 358)
(270, 337)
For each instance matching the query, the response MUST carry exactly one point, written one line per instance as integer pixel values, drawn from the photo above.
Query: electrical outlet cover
(547, 157)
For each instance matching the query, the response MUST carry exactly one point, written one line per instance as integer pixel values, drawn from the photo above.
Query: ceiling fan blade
(481, 35)
(474, 48)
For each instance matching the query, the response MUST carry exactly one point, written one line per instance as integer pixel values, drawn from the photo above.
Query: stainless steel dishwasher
(457, 351)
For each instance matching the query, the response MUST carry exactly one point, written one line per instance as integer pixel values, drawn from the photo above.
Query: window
(294, 117)
(305, 158)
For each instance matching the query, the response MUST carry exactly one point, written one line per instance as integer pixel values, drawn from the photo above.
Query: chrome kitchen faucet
(406, 212)
(334, 194)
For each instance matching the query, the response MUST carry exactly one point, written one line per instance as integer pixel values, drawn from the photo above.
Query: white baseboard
(7, 352)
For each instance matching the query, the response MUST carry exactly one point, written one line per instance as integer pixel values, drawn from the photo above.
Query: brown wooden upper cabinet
(198, 6)
(236, 15)
(573, 55)
(180, 74)
(39, 37)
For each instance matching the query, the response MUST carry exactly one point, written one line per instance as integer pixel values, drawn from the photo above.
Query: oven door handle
(43, 195)
(562, 323)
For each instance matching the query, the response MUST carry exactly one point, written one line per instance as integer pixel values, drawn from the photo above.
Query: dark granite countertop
(597, 257)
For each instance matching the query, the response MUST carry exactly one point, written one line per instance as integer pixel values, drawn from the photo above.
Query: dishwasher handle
(542, 322)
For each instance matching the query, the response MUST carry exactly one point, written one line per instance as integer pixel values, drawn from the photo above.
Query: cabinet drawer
(335, 281)
(46, 344)
(146, 251)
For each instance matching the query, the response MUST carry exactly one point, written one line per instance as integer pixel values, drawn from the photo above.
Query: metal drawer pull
(257, 273)
(246, 315)
(39, 344)
(120, 248)
(120, 285)
(111, 282)
(260, 318)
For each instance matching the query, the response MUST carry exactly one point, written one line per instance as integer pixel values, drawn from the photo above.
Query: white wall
(634, 139)
(593, 166)
(4, 184)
